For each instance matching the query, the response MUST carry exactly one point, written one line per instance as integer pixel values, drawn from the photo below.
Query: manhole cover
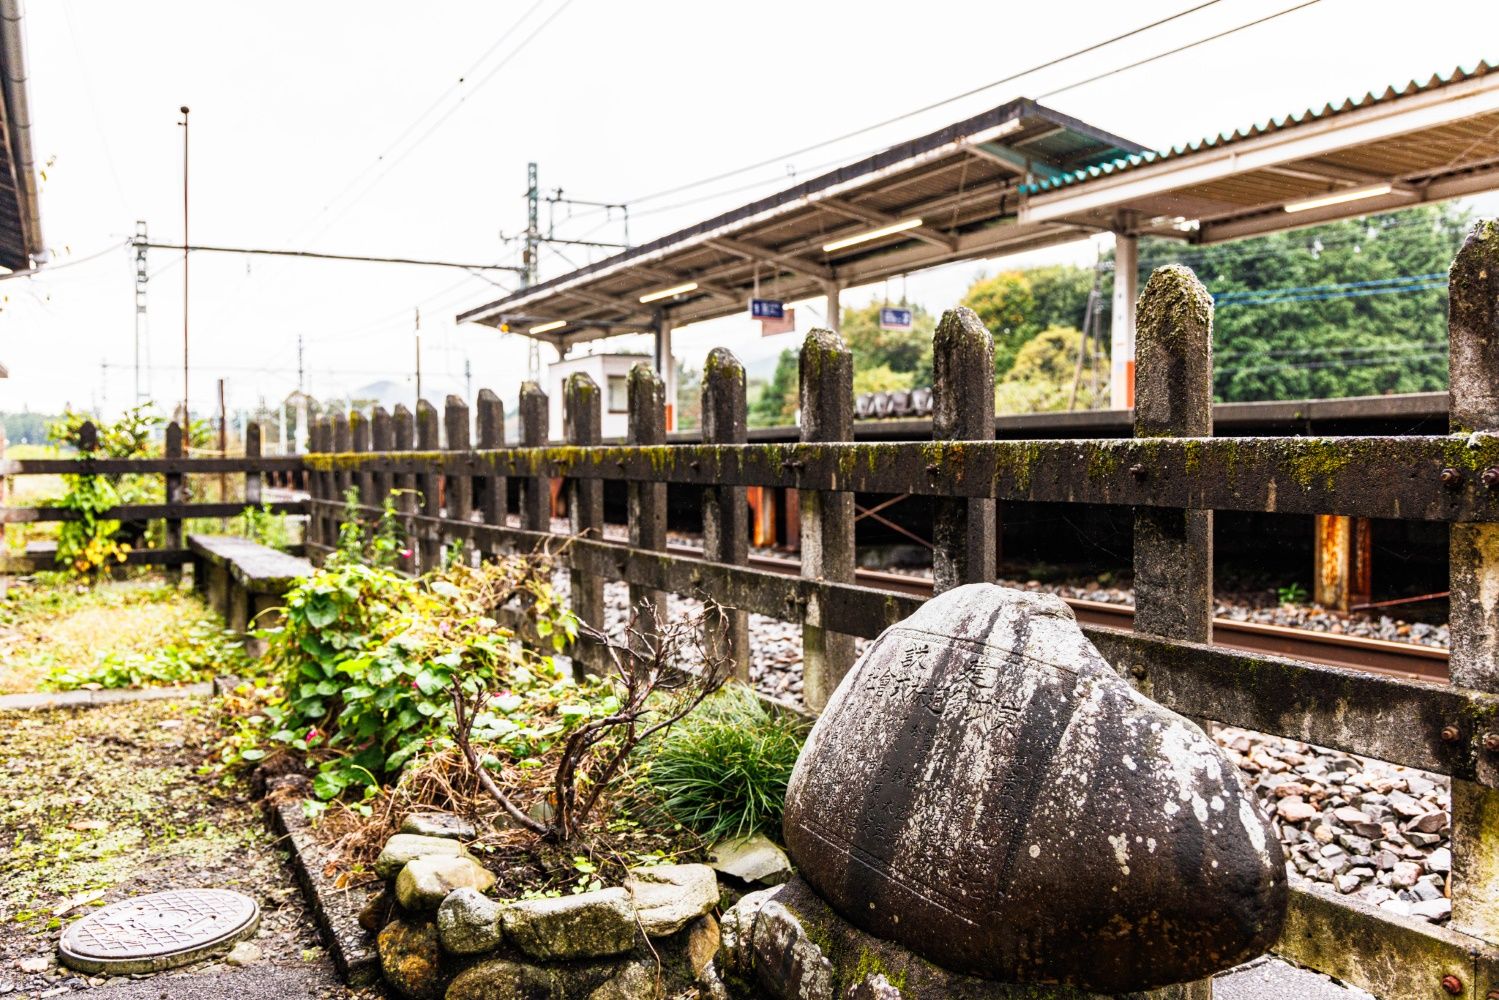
(159, 931)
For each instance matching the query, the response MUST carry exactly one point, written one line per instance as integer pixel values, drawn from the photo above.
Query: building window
(619, 393)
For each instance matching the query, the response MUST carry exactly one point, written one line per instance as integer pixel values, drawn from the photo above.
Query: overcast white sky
(293, 104)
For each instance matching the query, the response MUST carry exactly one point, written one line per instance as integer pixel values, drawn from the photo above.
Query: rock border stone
(335, 910)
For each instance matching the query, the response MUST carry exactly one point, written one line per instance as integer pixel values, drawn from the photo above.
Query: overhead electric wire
(437, 102)
(1180, 48)
(494, 70)
(315, 255)
(38, 272)
(770, 161)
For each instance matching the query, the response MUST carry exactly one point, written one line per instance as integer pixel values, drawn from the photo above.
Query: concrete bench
(240, 578)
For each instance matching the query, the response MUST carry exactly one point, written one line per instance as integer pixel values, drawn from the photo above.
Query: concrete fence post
(458, 485)
(535, 491)
(429, 485)
(826, 387)
(583, 422)
(382, 440)
(646, 501)
(964, 543)
(403, 425)
(1173, 398)
(725, 510)
(492, 500)
(1473, 553)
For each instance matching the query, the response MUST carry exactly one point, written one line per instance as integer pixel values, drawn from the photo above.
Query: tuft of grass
(722, 771)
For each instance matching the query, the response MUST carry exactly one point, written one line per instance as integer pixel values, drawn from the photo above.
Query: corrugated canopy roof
(962, 182)
(1405, 145)
(20, 216)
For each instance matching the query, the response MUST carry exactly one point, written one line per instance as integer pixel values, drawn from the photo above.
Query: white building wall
(611, 372)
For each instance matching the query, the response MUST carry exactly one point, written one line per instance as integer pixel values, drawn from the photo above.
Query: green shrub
(722, 771)
(367, 658)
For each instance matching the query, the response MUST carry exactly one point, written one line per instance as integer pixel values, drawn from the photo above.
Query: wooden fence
(1173, 473)
(175, 466)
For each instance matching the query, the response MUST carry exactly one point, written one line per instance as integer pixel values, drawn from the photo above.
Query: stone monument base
(785, 943)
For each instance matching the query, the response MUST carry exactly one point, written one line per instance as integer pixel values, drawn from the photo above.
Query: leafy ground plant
(365, 656)
(723, 770)
(52, 627)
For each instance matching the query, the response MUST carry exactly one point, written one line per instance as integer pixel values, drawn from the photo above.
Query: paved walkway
(105, 803)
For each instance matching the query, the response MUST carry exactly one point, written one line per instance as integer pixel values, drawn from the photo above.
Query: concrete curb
(93, 699)
(336, 910)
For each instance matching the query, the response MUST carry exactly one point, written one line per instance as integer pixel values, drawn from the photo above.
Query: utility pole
(186, 420)
(468, 382)
(141, 278)
(418, 359)
(528, 277)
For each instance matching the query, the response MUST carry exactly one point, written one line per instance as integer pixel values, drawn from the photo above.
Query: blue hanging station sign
(896, 319)
(767, 309)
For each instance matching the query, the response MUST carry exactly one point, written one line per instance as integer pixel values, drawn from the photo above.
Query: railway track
(1354, 652)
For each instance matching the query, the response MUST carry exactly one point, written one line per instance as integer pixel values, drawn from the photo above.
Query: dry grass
(65, 626)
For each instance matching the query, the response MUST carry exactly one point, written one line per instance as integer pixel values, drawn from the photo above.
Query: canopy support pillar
(1122, 327)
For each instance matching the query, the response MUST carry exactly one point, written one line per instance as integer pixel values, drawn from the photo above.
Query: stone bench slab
(258, 568)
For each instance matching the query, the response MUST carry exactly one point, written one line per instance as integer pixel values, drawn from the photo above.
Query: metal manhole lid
(159, 931)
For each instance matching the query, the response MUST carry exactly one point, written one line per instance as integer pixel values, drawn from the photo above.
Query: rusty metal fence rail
(1173, 474)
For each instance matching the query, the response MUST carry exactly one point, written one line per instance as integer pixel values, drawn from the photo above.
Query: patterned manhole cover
(159, 931)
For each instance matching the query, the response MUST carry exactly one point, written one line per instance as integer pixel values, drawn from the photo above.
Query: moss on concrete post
(457, 487)
(583, 423)
(359, 442)
(725, 514)
(1173, 398)
(493, 498)
(965, 545)
(382, 439)
(403, 425)
(1473, 567)
(826, 394)
(535, 491)
(646, 509)
(429, 485)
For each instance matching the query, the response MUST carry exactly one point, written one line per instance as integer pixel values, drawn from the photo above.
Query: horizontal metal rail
(1430, 478)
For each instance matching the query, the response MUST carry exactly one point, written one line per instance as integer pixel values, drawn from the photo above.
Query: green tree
(1006, 305)
(777, 403)
(1043, 374)
(882, 379)
(1350, 308)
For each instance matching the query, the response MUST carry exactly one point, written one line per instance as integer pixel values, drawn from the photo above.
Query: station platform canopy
(1021, 177)
(951, 195)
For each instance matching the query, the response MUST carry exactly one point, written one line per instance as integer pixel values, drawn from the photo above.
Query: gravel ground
(108, 803)
(1353, 826)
